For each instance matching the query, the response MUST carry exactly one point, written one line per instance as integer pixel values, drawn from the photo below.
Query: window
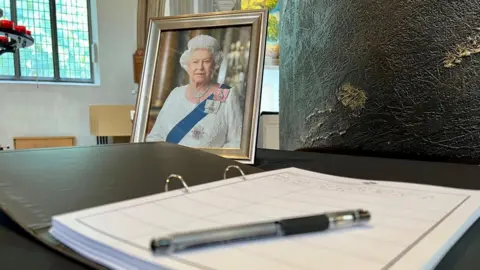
(270, 89)
(62, 48)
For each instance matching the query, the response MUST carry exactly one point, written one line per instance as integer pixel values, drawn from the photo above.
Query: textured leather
(18, 250)
(38, 184)
(391, 53)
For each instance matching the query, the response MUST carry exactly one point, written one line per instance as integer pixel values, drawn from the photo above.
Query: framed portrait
(201, 82)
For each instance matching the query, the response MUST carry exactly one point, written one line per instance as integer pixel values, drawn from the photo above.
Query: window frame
(56, 65)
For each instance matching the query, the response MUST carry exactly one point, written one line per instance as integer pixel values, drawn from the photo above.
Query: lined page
(403, 215)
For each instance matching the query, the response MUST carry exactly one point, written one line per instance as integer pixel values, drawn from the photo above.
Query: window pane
(73, 39)
(36, 60)
(6, 59)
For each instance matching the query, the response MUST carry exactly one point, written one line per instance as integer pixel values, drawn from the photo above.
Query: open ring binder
(184, 183)
(233, 167)
(179, 177)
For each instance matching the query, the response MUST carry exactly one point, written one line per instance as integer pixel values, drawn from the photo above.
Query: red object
(3, 40)
(6, 24)
(29, 32)
(20, 28)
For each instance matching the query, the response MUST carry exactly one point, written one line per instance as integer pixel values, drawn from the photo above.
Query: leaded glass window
(62, 33)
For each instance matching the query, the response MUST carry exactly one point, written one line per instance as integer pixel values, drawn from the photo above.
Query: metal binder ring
(179, 177)
(235, 167)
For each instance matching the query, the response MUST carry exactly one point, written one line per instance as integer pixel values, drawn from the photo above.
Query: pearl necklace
(200, 94)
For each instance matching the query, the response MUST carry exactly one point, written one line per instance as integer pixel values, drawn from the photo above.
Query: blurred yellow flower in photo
(272, 18)
(259, 4)
(273, 47)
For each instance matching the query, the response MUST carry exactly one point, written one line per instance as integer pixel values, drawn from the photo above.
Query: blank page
(412, 226)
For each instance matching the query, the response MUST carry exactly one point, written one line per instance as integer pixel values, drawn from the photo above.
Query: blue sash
(186, 124)
(182, 128)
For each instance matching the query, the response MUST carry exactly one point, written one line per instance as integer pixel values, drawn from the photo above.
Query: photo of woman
(204, 107)
(203, 113)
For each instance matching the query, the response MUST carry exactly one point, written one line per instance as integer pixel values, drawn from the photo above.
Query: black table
(19, 250)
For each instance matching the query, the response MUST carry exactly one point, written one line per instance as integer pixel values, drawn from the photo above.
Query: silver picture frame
(152, 70)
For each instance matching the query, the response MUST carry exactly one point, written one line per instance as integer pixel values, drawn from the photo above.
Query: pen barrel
(334, 220)
(284, 227)
(345, 219)
(223, 235)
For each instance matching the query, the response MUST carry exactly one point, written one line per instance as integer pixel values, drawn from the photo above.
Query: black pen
(285, 227)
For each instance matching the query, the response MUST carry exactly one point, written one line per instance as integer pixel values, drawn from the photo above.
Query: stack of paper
(412, 226)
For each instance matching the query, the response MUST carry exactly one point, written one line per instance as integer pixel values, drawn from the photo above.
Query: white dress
(222, 129)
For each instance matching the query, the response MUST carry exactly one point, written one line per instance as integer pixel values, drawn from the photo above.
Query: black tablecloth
(20, 251)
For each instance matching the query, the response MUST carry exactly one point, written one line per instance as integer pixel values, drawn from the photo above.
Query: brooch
(221, 94)
(212, 106)
(197, 132)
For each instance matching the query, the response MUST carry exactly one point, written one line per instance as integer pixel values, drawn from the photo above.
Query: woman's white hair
(202, 42)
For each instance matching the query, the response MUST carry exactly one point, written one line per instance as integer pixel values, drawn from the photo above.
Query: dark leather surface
(392, 52)
(19, 250)
(38, 184)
